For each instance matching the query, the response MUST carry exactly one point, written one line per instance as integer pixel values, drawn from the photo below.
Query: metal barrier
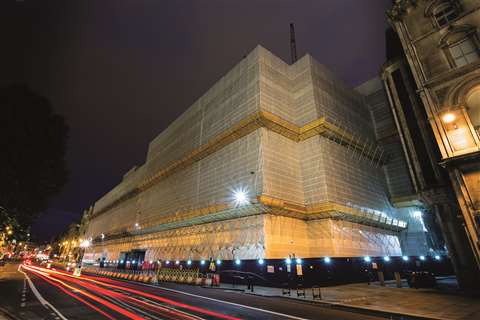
(186, 276)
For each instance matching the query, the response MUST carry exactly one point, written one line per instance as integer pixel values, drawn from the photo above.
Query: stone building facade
(434, 91)
(274, 160)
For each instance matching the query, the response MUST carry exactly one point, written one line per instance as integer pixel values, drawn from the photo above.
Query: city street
(31, 292)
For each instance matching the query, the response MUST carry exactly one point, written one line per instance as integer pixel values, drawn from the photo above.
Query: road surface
(32, 292)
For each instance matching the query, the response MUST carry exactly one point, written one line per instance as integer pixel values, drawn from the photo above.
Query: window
(444, 14)
(464, 52)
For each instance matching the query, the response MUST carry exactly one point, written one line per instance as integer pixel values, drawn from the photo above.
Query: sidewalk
(443, 303)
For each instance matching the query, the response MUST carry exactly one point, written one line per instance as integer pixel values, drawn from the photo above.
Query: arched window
(444, 13)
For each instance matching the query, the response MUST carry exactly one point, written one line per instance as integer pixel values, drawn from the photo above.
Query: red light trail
(120, 292)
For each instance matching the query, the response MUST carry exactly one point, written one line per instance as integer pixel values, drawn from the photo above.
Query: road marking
(228, 302)
(37, 294)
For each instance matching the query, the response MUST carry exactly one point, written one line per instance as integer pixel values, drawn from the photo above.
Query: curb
(339, 305)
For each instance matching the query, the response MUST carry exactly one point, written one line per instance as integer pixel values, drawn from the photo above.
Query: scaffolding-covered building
(274, 160)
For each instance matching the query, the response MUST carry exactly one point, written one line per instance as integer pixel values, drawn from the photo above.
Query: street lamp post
(83, 246)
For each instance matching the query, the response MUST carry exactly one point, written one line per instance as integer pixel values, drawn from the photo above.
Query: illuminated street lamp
(83, 245)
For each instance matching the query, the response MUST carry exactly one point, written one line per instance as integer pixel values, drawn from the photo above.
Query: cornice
(263, 204)
(260, 119)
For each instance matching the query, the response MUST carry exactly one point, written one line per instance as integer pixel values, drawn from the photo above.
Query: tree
(32, 153)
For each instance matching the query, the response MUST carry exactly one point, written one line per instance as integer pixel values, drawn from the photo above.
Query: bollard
(381, 278)
(398, 279)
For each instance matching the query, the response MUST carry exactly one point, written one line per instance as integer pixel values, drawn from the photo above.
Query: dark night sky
(121, 70)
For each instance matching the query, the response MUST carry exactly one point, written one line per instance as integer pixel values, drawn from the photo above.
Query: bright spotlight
(437, 257)
(405, 258)
(167, 262)
(102, 236)
(298, 261)
(237, 262)
(121, 261)
(240, 197)
(327, 259)
(202, 262)
(288, 260)
(261, 261)
(219, 262)
(422, 258)
(367, 259)
(386, 258)
(189, 262)
(177, 262)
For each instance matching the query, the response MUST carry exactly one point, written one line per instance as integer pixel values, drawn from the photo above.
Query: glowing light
(202, 262)
(189, 262)
(386, 258)
(437, 257)
(448, 117)
(102, 236)
(85, 244)
(422, 258)
(177, 262)
(167, 262)
(367, 259)
(327, 259)
(237, 262)
(298, 261)
(121, 261)
(240, 197)
(261, 261)
(417, 214)
(137, 225)
(151, 261)
(219, 262)
(288, 260)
